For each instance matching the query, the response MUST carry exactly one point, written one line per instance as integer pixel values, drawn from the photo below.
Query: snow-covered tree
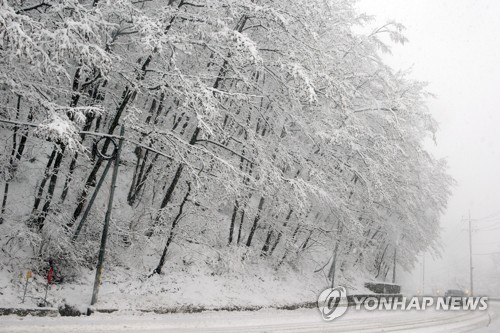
(268, 127)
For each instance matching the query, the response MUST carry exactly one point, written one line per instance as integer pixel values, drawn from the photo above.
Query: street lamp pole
(470, 258)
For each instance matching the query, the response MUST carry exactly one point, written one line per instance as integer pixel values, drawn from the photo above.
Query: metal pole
(334, 264)
(98, 273)
(91, 202)
(394, 266)
(46, 292)
(470, 259)
(423, 273)
(28, 276)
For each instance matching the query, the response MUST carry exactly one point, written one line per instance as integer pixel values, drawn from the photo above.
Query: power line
(494, 215)
(485, 254)
(492, 225)
(494, 242)
(489, 228)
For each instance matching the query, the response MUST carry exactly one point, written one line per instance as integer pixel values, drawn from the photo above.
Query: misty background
(454, 46)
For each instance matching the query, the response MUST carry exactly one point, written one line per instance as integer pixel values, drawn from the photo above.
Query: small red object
(49, 276)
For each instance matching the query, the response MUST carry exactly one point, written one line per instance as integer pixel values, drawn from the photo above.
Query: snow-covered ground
(254, 284)
(303, 320)
(125, 291)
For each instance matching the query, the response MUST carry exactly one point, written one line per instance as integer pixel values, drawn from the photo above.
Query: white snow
(304, 320)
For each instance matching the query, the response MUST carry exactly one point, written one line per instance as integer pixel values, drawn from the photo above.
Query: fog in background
(455, 46)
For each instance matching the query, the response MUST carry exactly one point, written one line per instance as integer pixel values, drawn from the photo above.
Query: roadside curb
(23, 312)
(54, 312)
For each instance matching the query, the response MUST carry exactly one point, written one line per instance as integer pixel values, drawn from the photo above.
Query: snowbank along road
(304, 320)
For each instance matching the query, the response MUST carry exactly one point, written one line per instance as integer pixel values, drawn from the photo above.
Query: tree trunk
(233, 221)
(241, 225)
(158, 268)
(381, 261)
(40, 219)
(128, 96)
(72, 165)
(304, 245)
(137, 176)
(286, 250)
(142, 180)
(267, 243)
(12, 161)
(46, 176)
(255, 222)
(280, 234)
(177, 176)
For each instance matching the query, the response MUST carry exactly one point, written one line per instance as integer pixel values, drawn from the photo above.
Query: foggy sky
(455, 46)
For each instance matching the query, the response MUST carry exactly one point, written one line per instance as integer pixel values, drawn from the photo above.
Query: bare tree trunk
(280, 234)
(127, 97)
(177, 176)
(170, 190)
(72, 165)
(286, 250)
(267, 243)
(45, 178)
(138, 172)
(13, 157)
(304, 245)
(255, 222)
(386, 272)
(171, 235)
(233, 221)
(380, 261)
(241, 225)
(40, 219)
(142, 180)
(138, 154)
(140, 177)
(57, 153)
(194, 137)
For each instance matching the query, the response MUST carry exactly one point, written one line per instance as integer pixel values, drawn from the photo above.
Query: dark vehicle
(452, 294)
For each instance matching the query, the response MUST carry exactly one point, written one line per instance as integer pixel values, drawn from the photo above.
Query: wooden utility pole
(98, 273)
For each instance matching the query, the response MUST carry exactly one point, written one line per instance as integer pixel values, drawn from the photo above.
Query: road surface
(303, 320)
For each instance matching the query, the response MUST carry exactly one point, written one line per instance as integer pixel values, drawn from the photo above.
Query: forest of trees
(270, 128)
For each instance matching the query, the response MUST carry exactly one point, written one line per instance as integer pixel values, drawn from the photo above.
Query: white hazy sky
(455, 46)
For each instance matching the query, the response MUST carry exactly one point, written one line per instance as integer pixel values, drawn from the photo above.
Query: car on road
(452, 294)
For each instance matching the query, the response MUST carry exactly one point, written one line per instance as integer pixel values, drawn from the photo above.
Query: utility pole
(423, 273)
(394, 266)
(470, 258)
(98, 273)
